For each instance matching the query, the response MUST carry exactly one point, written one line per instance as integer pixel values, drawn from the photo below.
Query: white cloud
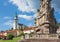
(30, 25)
(35, 15)
(5, 4)
(25, 17)
(6, 17)
(29, 5)
(59, 20)
(23, 5)
(56, 5)
(8, 23)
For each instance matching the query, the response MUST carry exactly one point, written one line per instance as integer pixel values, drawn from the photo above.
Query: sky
(26, 11)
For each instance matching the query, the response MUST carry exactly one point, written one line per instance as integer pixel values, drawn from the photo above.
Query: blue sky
(25, 9)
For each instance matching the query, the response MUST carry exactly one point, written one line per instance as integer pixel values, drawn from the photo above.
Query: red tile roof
(29, 29)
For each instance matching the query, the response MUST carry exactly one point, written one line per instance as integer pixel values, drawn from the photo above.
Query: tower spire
(15, 21)
(16, 17)
(16, 14)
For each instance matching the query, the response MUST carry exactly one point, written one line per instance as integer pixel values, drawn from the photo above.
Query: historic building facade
(17, 25)
(45, 20)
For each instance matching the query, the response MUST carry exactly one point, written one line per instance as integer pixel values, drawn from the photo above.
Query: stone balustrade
(40, 36)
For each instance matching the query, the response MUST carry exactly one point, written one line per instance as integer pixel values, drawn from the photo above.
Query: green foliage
(15, 39)
(58, 24)
(21, 34)
(31, 34)
(0, 38)
(10, 36)
(11, 28)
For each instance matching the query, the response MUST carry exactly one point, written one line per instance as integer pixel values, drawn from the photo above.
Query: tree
(11, 28)
(21, 34)
(10, 36)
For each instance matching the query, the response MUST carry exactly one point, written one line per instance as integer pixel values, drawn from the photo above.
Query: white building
(17, 25)
(29, 30)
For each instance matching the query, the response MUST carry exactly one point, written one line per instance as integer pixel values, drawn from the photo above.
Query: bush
(21, 34)
(0, 38)
(10, 36)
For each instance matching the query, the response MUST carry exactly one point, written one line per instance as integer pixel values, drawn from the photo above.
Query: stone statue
(46, 17)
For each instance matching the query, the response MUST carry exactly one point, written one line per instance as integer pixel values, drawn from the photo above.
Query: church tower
(15, 24)
(45, 20)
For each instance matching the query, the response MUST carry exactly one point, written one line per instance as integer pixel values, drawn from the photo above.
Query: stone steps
(39, 40)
